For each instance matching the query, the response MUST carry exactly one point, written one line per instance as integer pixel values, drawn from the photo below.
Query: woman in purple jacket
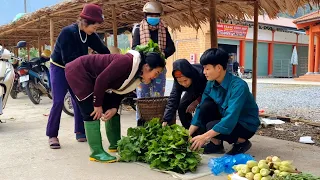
(73, 42)
(98, 82)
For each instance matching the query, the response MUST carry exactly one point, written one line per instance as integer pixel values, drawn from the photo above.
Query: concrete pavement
(24, 151)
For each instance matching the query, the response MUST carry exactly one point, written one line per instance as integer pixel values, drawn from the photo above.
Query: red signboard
(231, 30)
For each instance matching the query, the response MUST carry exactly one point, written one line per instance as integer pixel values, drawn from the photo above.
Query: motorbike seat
(247, 70)
(35, 61)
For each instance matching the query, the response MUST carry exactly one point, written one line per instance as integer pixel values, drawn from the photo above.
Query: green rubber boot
(113, 131)
(95, 142)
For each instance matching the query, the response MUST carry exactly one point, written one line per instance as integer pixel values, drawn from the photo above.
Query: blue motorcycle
(35, 77)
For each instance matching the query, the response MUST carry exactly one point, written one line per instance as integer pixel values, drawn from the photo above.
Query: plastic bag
(226, 162)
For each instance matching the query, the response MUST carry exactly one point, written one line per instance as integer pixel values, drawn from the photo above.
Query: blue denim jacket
(236, 105)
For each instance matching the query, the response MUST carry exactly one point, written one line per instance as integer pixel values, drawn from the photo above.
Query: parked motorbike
(6, 77)
(17, 87)
(244, 73)
(35, 76)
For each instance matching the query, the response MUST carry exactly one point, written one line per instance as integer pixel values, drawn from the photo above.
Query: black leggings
(185, 117)
(87, 107)
(210, 116)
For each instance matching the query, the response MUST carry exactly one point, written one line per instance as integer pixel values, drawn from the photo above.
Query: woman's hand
(164, 123)
(97, 113)
(109, 114)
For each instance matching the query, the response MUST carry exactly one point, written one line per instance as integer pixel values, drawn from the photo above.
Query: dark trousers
(87, 107)
(210, 116)
(60, 87)
(185, 117)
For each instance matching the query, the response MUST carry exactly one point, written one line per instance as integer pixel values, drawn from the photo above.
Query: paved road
(25, 154)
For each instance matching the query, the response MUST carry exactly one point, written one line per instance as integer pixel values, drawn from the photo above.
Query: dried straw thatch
(177, 13)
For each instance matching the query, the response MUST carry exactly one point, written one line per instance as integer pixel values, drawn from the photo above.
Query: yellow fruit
(235, 168)
(245, 169)
(276, 159)
(249, 176)
(266, 178)
(263, 165)
(251, 163)
(264, 172)
(277, 172)
(269, 159)
(257, 176)
(255, 170)
(286, 163)
(263, 161)
(238, 167)
(289, 168)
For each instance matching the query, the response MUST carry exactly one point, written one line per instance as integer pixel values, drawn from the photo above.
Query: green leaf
(165, 148)
(191, 160)
(180, 156)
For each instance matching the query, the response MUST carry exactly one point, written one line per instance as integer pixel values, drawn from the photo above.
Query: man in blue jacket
(227, 112)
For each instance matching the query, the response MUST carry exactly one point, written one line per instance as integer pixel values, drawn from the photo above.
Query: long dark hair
(153, 59)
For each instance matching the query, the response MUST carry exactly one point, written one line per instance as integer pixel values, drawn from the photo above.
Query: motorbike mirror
(1, 50)
(21, 44)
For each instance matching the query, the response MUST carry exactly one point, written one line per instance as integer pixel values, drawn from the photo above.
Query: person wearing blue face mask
(152, 27)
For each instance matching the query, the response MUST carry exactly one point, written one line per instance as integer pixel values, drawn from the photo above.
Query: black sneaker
(213, 149)
(240, 148)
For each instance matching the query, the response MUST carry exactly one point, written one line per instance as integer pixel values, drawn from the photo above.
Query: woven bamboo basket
(152, 107)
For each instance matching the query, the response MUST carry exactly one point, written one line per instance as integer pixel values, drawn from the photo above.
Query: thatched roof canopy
(177, 13)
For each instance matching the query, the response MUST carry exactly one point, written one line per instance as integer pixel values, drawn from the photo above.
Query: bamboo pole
(115, 28)
(106, 39)
(39, 39)
(255, 50)
(51, 35)
(28, 51)
(213, 23)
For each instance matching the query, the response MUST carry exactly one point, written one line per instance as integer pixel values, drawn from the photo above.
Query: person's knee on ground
(209, 111)
(185, 118)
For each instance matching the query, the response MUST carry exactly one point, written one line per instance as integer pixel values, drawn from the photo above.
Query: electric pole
(25, 6)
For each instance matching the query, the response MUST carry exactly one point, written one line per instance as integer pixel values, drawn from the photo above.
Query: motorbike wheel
(249, 76)
(33, 93)
(14, 94)
(46, 80)
(67, 105)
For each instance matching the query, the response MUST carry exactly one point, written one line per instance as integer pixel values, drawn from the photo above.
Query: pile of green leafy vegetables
(299, 176)
(150, 47)
(164, 148)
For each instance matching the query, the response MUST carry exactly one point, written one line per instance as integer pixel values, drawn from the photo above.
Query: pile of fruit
(270, 168)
